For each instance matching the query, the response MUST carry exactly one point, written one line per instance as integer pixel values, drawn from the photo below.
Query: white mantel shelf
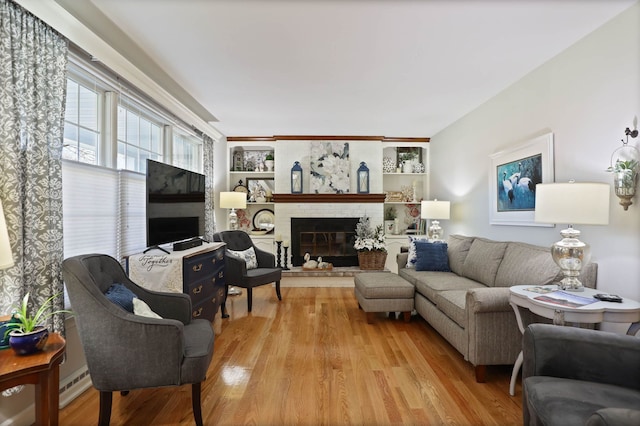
(329, 198)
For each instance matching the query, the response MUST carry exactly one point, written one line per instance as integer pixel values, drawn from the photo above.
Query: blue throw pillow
(121, 296)
(432, 257)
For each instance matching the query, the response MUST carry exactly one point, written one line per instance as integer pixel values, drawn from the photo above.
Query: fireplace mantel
(328, 198)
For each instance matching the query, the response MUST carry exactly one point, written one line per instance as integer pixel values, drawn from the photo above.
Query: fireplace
(330, 238)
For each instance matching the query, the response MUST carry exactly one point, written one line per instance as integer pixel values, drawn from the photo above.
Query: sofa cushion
(431, 256)
(413, 255)
(483, 260)
(458, 248)
(429, 283)
(559, 401)
(526, 264)
(452, 304)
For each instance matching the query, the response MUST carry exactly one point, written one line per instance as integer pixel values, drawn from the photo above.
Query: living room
(585, 95)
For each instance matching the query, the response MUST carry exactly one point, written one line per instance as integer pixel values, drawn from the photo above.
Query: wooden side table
(41, 369)
(520, 297)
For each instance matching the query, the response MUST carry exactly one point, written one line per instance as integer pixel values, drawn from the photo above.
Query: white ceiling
(351, 67)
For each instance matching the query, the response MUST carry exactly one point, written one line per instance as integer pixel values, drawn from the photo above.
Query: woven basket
(372, 260)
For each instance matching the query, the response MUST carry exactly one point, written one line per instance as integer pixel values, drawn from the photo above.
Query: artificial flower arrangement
(368, 238)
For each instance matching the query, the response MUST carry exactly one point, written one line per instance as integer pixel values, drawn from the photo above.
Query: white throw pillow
(142, 309)
(413, 258)
(248, 255)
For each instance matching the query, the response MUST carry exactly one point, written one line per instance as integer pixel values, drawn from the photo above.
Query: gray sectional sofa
(469, 306)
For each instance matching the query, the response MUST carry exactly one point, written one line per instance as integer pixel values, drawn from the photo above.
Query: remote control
(608, 297)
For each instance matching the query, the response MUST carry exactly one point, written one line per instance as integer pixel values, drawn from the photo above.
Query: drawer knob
(197, 268)
(214, 260)
(197, 290)
(220, 274)
(197, 313)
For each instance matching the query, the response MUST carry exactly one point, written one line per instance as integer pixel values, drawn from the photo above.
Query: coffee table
(521, 297)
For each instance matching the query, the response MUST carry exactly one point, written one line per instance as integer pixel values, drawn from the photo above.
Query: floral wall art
(329, 167)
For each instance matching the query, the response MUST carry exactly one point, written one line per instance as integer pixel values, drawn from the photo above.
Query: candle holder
(286, 258)
(279, 245)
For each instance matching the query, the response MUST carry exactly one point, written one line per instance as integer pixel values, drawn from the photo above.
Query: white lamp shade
(233, 200)
(6, 256)
(435, 209)
(572, 203)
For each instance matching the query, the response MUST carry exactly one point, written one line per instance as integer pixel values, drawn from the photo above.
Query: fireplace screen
(330, 238)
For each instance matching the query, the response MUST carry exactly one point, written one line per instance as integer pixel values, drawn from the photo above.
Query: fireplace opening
(329, 238)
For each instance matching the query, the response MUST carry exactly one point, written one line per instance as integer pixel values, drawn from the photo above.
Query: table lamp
(435, 210)
(572, 203)
(233, 201)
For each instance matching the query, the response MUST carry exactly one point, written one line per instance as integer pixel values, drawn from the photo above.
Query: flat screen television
(175, 204)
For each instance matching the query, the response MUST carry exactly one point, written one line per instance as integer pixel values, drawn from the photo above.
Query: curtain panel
(209, 219)
(33, 60)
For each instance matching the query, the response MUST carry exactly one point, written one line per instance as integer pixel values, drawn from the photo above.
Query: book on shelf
(564, 298)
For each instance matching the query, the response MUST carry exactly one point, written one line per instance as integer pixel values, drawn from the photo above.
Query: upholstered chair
(240, 271)
(575, 376)
(125, 351)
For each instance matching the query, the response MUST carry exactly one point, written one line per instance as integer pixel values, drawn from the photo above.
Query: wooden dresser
(198, 272)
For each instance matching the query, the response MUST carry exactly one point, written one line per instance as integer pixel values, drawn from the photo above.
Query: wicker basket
(372, 260)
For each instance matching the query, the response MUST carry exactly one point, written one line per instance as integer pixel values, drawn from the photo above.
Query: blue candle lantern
(363, 178)
(296, 178)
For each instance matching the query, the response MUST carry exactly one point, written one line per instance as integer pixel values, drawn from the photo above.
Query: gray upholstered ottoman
(383, 292)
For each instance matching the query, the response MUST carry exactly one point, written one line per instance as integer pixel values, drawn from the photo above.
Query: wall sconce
(296, 178)
(363, 178)
(624, 166)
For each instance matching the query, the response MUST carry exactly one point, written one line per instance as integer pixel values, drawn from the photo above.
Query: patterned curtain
(33, 61)
(209, 217)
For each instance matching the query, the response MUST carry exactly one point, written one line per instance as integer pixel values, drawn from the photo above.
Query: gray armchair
(237, 274)
(126, 351)
(574, 376)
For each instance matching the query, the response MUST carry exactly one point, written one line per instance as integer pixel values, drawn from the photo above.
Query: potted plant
(268, 162)
(389, 220)
(625, 175)
(370, 245)
(27, 334)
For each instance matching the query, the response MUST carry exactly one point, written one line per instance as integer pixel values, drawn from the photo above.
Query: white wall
(586, 96)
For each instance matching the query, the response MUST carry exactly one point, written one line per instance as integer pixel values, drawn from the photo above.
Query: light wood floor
(312, 359)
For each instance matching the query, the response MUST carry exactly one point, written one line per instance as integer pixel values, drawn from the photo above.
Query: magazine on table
(564, 298)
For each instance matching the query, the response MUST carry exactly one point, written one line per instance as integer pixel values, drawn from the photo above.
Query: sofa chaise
(469, 306)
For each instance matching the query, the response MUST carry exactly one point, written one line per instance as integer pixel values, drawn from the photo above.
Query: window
(139, 138)
(108, 137)
(81, 131)
(187, 151)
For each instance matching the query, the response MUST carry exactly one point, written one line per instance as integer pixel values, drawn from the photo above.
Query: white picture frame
(521, 168)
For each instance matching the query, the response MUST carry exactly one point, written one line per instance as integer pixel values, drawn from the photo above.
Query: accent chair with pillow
(132, 337)
(246, 265)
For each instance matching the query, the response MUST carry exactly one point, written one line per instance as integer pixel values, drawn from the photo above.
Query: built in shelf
(329, 198)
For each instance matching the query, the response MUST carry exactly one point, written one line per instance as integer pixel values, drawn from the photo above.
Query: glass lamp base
(570, 254)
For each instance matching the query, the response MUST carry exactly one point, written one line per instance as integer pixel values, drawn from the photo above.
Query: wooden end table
(594, 313)
(41, 369)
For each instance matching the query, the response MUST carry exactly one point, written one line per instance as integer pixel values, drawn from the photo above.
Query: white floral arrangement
(369, 239)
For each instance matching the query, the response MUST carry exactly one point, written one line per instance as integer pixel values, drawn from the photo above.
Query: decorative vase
(407, 166)
(28, 343)
(389, 227)
(372, 260)
(624, 185)
(269, 165)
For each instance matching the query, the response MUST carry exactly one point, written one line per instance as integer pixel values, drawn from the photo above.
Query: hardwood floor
(312, 359)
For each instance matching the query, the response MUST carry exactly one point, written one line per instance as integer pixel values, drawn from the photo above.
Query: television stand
(155, 248)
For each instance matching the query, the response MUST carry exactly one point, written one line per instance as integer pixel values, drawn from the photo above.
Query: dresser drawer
(202, 266)
(205, 309)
